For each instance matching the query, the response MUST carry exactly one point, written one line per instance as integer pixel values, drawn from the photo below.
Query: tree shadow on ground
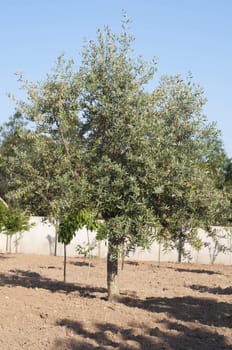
(131, 262)
(170, 336)
(189, 309)
(215, 290)
(30, 279)
(3, 256)
(182, 269)
(81, 263)
(49, 267)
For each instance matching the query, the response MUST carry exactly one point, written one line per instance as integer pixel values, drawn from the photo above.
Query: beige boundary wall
(41, 240)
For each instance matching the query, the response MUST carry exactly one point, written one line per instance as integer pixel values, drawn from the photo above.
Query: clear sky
(185, 35)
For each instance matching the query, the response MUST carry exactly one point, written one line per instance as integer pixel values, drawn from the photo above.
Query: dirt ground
(171, 306)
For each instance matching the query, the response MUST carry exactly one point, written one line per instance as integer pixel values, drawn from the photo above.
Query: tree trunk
(55, 248)
(7, 241)
(122, 257)
(179, 252)
(112, 273)
(122, 261)
(89, 254)
(159, 254)
(65, 263)
(16, 243)
(57, 222)
(181, 245)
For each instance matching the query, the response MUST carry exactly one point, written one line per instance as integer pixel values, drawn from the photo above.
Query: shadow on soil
(30, 279)
(216, 290)
(130, 262)
(192, 324)
(189, 309)
(3, 256)
(170, 336)
(182, 269)
(81, 263)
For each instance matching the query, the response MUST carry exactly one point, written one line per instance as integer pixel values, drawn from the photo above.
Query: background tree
(46, 166)
(228, 176)
(12, 221)
(16, 221)
(189, 157)
(12, 138)
(3, 211)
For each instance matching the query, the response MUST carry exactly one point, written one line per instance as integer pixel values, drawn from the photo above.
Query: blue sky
(185, 35)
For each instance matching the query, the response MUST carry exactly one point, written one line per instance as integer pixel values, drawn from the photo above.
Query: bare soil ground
(171, 307)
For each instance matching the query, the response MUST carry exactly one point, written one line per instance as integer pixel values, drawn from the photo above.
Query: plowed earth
(171, 306)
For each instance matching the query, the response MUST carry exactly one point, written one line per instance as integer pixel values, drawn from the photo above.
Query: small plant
(85, 249)
(215, 246)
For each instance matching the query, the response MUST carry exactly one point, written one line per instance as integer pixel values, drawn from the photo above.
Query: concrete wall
(41, 240)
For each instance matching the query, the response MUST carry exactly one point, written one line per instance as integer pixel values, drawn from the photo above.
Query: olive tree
(149, 153)
(139, 159)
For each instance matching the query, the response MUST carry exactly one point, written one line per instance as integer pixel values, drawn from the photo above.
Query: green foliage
(187, 162)
(13, 220)
(85, 249)
(3, 215)
(155, 161)
(16, 221)
(74, 221)
(227, 186)
(12, 141)
(219, 242)
(115, 109)
(44, 165)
